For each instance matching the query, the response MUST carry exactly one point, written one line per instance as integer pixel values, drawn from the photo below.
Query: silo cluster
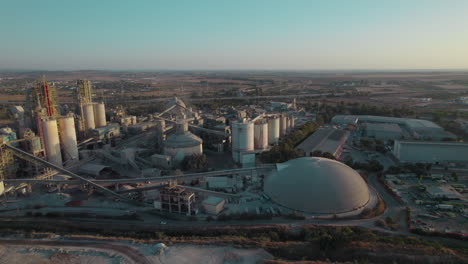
(60, 141)
(250, 135)
(94, 115)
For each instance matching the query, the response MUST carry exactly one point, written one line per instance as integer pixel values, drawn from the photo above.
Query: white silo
(88, 116)
(99, 114)
(261, 135)
(283, 125)
(68, 138)
(273, 130)
(243, 138)
(52, 142)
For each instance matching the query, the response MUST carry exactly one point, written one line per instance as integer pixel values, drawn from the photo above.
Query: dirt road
(130, 253)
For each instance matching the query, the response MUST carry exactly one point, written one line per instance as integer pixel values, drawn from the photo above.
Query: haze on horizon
(241, 35)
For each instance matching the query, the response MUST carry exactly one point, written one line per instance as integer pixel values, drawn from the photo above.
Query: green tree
(455, 176)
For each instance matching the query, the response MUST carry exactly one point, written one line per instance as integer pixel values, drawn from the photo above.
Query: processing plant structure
(178, 161)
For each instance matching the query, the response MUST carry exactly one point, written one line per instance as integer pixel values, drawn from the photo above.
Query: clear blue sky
(233, 34)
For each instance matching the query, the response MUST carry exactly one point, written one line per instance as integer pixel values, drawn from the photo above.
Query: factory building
(446, 192)
(430, 151)
(317, 185)
(161, 161)
(182, 143)
(418, 128)
(383, 131)
(330, 140)
(224, 184)
(344, 120)
(175, 199)
(106, 132)
(213, 205)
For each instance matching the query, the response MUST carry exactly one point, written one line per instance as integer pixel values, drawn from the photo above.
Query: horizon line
(244, 70)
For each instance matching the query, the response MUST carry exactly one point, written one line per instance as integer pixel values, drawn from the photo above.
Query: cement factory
(183, 163)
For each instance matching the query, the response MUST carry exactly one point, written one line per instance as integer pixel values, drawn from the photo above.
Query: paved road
(130, 253)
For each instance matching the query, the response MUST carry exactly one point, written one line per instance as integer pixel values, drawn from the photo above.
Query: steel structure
(31, 158)
(190, 176)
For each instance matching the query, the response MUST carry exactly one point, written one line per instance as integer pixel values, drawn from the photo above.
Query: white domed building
(182, 143)
(318, 186)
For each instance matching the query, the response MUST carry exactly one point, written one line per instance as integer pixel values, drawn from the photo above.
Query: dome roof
(182, 140)
(317, 185)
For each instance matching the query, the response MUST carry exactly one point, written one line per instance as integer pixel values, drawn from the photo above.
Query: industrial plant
(152, 162)
(185, 162)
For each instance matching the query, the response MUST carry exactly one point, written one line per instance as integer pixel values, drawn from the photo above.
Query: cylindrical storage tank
(289, 127)
(88, 115)
(293, 122)
(52, 142)
(273, 130)
(283, 125)
(100, 115)
(133, 120)
(68, 138)
(243, 136)
(261, 135)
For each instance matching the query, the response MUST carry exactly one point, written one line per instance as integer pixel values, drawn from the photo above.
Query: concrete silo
(261, 134)
(289, 126)
(283, 125)
(293, 122)
(273, 130)
(99, 114)
(88, 116)
(68, 138)
(52, 142)
(242, 138)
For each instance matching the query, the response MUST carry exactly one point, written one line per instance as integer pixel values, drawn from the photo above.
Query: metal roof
(213, 200)
(324, 139)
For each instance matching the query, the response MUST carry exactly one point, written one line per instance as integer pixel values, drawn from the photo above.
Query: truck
(444, 207)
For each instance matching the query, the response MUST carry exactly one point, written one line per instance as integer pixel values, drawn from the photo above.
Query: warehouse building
(344, 120)
(330, 140)
(418, 128)
(430, 151)
(213, 205)
(383, 131)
